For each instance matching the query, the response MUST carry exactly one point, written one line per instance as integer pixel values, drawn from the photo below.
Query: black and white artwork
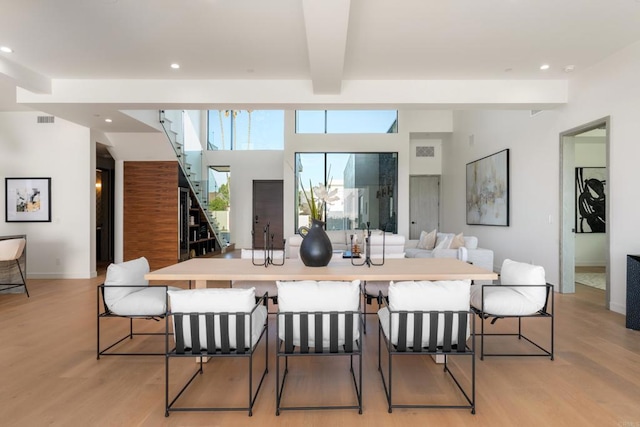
(590, 200)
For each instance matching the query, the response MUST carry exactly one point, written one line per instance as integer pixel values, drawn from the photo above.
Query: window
(245, 130)
(219, 199)
(346, 121)
(366, 184)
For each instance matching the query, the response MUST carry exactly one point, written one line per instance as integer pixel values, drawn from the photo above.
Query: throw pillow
(427, 240)
(443, 241)
(457, 241)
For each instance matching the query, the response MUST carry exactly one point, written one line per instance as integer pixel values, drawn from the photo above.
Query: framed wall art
(590, 200)
(488, 190)
(28, 199)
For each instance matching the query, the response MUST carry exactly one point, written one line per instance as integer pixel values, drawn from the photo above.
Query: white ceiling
(322, 41)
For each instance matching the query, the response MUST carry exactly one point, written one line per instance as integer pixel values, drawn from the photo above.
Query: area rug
(595, 280)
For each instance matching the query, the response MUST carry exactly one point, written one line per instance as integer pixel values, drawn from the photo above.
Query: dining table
(202, 270)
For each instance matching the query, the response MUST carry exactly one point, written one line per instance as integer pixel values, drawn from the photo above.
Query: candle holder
(268, 250)
(367, 250)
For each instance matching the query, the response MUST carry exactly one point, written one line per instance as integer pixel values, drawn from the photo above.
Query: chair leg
(24, 281)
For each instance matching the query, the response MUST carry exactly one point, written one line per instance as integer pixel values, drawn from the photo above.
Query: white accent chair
(261, 286)
(212, 323)
(521, 293)
(126, 294)
(318, 319)
(10, 252)
(424, 318)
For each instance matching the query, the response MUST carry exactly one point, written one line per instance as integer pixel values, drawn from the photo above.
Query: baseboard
(591, 264)
(52, 276)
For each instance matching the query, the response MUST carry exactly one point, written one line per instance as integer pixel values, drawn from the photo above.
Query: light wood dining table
(201, 270)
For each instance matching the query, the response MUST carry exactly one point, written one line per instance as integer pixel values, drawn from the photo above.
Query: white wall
(590, 248)
(609, 89)
(64, 247)
(532, 234)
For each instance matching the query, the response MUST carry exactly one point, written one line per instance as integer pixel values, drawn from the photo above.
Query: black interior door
(267, 210)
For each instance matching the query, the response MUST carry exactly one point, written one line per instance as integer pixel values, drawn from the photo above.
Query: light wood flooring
(50, 375)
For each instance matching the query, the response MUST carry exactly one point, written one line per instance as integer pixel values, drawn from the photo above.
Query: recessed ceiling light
(108, 120)
(6, 49)
(544, 67)
(175, 66)
(569, 68)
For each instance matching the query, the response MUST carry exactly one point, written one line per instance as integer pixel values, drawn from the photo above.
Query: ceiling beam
(326, 24)
(24, 77)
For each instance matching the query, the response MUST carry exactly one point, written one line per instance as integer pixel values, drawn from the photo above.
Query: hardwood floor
(50, 375)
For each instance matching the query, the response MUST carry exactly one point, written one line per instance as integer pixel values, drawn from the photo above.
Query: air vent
(46, 119)
(425, 151)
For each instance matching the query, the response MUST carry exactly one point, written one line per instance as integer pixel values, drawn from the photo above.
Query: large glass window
(346, 121)
(366, 183)
(245, 130)
(219, 198)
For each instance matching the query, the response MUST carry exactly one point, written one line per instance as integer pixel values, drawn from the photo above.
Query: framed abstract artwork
(28, 199)
(590, 200)
(488, 190)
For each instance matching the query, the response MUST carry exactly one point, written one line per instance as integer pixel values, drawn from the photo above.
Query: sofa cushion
(457, 241)
(427, 240)
(219, 300)
(129, 273)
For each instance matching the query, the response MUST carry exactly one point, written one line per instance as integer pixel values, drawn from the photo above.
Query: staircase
(191, 164)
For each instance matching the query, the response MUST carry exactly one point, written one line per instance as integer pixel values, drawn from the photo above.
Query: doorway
(424, 204)
(267, 210)
(105, 193)
(584, 236)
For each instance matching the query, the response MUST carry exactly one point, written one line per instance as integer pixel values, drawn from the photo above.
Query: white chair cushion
(502, 301)
(450, 295)
(520, 273)
(323, 296)
(219, 300)
(149, 301)
(126, 273)
(11, 249)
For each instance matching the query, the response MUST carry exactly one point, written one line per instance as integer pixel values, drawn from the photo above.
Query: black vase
(316, 249)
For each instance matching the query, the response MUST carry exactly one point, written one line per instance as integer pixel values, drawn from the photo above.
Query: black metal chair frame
(542, 313)
(243, 350)
(107, 313)
(286, 348)
(16, 285)
(368, 299)
(447, 349)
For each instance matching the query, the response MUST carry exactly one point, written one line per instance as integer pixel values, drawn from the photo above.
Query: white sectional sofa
(475, 255)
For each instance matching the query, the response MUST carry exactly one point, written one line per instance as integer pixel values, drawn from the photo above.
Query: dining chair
(521, 293)
(427, 319)
(317, 319)
(215, 323)
(126, 294)
(10, 252)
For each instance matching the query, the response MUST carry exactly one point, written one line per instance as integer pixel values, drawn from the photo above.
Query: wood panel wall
(151, 212)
